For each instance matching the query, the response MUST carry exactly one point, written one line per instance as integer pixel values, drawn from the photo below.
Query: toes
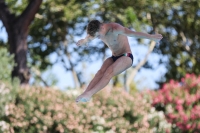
(82, 99)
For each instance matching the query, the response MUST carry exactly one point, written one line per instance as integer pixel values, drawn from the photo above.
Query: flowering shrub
(36, 109)
(181, 103)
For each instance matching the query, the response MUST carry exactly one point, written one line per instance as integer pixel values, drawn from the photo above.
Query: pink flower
(172, 116)
(181, 113)
(188, 102)
(185, 99)
(188, 76)
(158, 99)
(198, 96)
(168, 98)
(188, 126)
(192, 116)
(179, 101)
(183, 80)
(178, 124)
(181, 126)
(167, 131)
(193, 126)
(193, 98)
(179, 107)
(171, 81)
(190, 99)
(185, 118)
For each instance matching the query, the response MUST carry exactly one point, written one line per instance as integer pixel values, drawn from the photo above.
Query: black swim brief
(126, 54)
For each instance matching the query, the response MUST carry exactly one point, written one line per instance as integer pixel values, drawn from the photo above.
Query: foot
(83, 98)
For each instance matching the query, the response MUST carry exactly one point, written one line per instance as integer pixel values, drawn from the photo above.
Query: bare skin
(115, 37)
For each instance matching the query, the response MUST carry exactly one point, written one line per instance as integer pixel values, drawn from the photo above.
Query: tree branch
(5, 14)
(29, 13)
(38, 74)
(142, 62)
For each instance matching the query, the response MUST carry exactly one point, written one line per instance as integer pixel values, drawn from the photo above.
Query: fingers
(78, 43)
(159, 37)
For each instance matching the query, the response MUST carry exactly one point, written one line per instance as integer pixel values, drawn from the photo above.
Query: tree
(182, 42)
(47, 32)
(17, 27)
(138, 66)
(57, 23)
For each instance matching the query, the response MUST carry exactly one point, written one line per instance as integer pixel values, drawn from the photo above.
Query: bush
(36, 109)
(181, 103)
(7, 96)
(6, 65)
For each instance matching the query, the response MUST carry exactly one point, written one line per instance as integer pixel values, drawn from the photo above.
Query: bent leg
(116, 68)
(108, 62)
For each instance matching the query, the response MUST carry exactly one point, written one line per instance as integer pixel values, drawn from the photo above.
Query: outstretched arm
(118, 29)
(84, 41)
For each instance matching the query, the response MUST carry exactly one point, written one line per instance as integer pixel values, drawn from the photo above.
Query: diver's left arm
(118, 29)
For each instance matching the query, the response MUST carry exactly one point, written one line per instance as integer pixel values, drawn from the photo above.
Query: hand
(157, 37)
(81, 42)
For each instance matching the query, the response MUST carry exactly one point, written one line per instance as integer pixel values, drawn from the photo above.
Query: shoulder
(115, 25)
(112, 25)
(116, 28)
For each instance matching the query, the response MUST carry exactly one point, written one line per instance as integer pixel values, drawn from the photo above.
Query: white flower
(169, 109)
(110, 131)
(152, 109)
(4, 126)
(161, 114)
(101, 120)
(100, 128)
(98, 119)
(74, 92)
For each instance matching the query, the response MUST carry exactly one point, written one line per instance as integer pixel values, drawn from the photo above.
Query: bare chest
(111, 40)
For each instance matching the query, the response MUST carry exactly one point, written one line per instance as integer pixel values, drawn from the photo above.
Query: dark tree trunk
(17, 29)
(17, 39)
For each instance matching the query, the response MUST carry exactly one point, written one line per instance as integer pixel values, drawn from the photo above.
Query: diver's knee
(108, 73)
(100, 73)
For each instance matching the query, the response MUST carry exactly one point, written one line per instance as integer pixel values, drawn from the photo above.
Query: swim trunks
(126, 54)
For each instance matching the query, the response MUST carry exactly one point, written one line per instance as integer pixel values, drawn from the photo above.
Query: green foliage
(179, 22)
(131, 17)
(48, 78)
(35, 109)
(53, 22)
(133, 88)
(6, 65)
(17, 6)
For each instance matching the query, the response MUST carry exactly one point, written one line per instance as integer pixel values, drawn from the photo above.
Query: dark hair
(93, 27)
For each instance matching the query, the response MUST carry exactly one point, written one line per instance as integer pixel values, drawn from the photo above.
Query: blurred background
(42, 70)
